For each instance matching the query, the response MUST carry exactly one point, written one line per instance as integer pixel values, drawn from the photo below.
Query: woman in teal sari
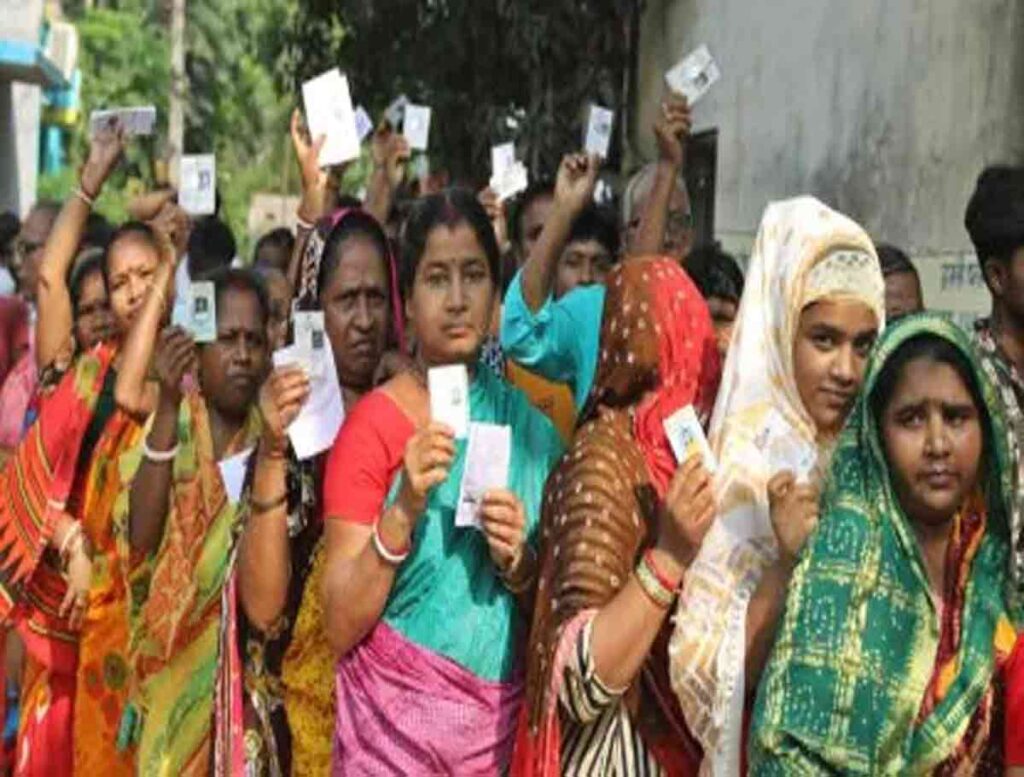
(428, 615)
(900, 616)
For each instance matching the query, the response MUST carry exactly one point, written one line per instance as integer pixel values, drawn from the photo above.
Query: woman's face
(132, 263)
(356, 311)
(232, 367)
(932, 434)
(832, 343)
(452, 298)
(93, 321)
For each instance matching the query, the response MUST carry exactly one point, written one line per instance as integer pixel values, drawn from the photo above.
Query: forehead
(925, 379)
(586, 248)
(130, 252)
(239, 308)
(360, 264)
(537, 209)
(446, 244)
(845, 315)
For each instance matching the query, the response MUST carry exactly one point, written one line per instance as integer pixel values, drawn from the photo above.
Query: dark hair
(355, 223)
(211, 246)
(280, 239)
(600, 223)
(10, 225)
(535, 191)
(348, 201)
(129, 230)
(893, 260)
(995, 213)
(925, 346)
(91, 261)
(715, 273)
(241, 279)
(449, 208)
(98, 232)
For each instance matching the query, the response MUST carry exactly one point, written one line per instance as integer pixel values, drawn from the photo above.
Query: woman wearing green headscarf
(900, 616)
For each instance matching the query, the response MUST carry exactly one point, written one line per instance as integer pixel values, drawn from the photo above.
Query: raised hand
(496, 213)
(688, 512)
(314, 178)
(671, 130)
(390, 151)
(175, 356)
(282, 396)
(105, 150)
(794, 513)
(577, 177)
(428, 457)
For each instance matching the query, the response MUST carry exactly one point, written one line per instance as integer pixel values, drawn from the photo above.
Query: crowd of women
(836, 588)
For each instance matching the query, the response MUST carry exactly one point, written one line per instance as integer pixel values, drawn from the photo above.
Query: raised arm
(574, 188)
(56, 315)
(390, 153)
(151, 488)
(264, 561)
(670, 130)
(314, 191)
(130, 392)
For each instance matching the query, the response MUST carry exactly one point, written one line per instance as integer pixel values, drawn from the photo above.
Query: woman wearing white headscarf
(812, 307)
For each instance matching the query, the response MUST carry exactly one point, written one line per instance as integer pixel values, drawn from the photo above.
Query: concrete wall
(20, 20)
(885, 109)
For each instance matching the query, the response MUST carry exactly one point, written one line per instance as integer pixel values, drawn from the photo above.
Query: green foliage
(494, 71)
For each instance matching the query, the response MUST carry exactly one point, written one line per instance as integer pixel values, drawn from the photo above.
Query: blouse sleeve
(364, 459)
(582, 694)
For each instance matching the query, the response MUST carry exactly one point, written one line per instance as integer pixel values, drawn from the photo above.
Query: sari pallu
(804, 253)
(657, 355)
(39, 479)
(866, 676)
(176, 596)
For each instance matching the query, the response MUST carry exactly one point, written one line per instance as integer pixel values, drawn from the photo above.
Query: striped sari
(176, 605)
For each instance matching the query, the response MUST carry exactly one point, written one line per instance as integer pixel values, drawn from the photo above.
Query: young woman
(62, 484)
(622, 521)
(811, 308)
(349, 274)
(177, 518)
(413, 604)
(899, 617)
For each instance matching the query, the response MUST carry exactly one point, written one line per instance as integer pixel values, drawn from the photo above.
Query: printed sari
(657, 355)
(176, 609)
(804, 253)
(866, 676)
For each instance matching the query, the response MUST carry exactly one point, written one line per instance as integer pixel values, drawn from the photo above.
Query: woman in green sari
(900, 617)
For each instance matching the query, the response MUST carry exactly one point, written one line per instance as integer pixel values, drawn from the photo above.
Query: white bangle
(80, 194)
(158, 457)
(73, 532)
(303, 224)
(395, 559)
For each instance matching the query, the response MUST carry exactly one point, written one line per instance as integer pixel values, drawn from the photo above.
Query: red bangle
(667, 582)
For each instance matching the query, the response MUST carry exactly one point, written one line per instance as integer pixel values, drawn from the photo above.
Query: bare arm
(56, 315)
(264, 561)
(670, 131)
(574, 188)
(390, 153)
(625, 628)
(150, 492)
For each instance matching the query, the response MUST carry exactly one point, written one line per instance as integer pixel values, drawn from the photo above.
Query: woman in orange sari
(59, 584)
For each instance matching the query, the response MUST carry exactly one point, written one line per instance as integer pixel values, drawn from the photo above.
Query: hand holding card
(598, 139)
(198, 192)
(202, 322)
(329, 112)
(416, 126)
(694, 75)
(686, 436)
(488, 455)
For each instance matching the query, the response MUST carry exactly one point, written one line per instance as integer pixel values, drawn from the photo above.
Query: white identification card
(416, 126)
(449, 397)
(232, 472)
(694, 75)
(136, 121)
(784, 450)
(329, 112)
(488, 454)
(508, 177)
(686, 436)
(599, 131)
(198, 192)
(317, 424)
(202, 311)
(395, 112)
(364, 124)
(310, 339)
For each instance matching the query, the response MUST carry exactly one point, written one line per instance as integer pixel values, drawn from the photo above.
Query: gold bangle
(508, 577)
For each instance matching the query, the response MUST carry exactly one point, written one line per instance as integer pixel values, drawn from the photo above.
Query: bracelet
(656, 592)
(394, 559)
(301, 223)
(258, 508)
(158, 457)
(666, 582)
(508, 578)
(80, 194)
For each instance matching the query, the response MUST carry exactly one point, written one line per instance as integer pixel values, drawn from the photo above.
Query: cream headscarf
(804, 253)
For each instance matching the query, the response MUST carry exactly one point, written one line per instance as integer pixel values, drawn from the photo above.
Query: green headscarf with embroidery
(857, 643)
